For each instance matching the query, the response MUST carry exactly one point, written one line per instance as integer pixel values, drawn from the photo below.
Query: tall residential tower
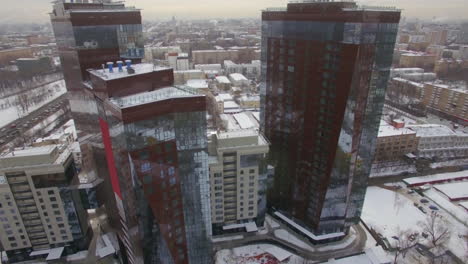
(325, 66)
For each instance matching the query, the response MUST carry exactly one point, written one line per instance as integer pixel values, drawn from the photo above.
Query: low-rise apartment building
(41, 214)
(236, 168)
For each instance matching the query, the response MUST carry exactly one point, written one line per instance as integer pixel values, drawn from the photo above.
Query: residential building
(446, 99)
(178, 61)
(214, 56)
(325, 68)
(413, 60)
(394, 141)
(239, 80)
(250, 101)
(154, 136)
(440, 141)
(223, 83)
(237, 162)
(9, 55)
(41, 213)
(182, 77)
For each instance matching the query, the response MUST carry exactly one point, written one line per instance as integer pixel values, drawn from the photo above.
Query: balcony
(32, 223)
(18, 180)
(27, 210)
(23, 196)
(31, 216)
(39, 236)
(29, 202)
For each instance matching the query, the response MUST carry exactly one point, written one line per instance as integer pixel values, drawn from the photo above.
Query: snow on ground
(10, 114)
(454, 210)
(272, 223)
(458, 162)
(291, 238)
(229, 238)
(457, 219)
(340, 244)
(377, 171)
(254, 254)
(388, 212)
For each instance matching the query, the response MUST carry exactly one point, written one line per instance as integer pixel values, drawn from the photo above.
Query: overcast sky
(37, 10)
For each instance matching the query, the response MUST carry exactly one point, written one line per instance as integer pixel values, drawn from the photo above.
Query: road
(357, 246)
(10, 134)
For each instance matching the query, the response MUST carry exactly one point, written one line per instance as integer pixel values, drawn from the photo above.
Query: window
(11, 239)
(46, 214)
(59, 219)
(252, 171)
(145, 167)
(55, 206)
(14, 244)
(51, 192)
(41, 200)
(62, 231)
(56, 212)
(53, 199)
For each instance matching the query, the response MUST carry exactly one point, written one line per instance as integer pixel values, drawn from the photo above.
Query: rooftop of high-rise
(161, 94)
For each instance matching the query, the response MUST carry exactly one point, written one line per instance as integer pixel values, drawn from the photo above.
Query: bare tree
(437, 229)
(22, 103)
(406, 239)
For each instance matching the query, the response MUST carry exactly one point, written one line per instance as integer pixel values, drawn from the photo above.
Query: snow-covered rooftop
(153, 96)
(141, 68)
(224, 97)
(431, 130)
(437, 178)
(197, 84)
(454, 191)
(386, 130)
(223, 79)
(237, 77)
(243, 120)
(307, 232)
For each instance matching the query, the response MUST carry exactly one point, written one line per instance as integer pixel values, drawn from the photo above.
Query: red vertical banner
(110, 157)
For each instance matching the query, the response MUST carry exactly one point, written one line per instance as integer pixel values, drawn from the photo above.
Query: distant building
(32, 66)
(214, 56)
(413, 60)
(440, 141)
(182, 77)
(198, 84)
(239, 80)
(251, 70)
(178, 61)
(9, 55)
(236, 168)
(41, 214)
(463, 35)
(394, 141)
(250, 101)
(223, 83)
(446, 99)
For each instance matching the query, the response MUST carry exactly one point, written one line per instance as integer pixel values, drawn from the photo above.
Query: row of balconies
(17, 180)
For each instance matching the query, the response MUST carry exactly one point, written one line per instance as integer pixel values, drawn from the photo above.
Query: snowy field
(50, 92)
(255, 254)
(389, 212)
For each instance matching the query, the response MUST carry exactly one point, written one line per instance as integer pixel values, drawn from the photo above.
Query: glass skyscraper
(325, 67)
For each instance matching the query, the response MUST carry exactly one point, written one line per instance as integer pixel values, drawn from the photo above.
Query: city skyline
(151, 10)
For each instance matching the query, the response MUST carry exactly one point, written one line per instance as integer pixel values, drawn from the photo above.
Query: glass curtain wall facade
(89, 35)
(160, 156)
(325, 68)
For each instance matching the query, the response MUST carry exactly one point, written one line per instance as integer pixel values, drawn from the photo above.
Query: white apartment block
(235, 165)
(40, 212)
(440, 141)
